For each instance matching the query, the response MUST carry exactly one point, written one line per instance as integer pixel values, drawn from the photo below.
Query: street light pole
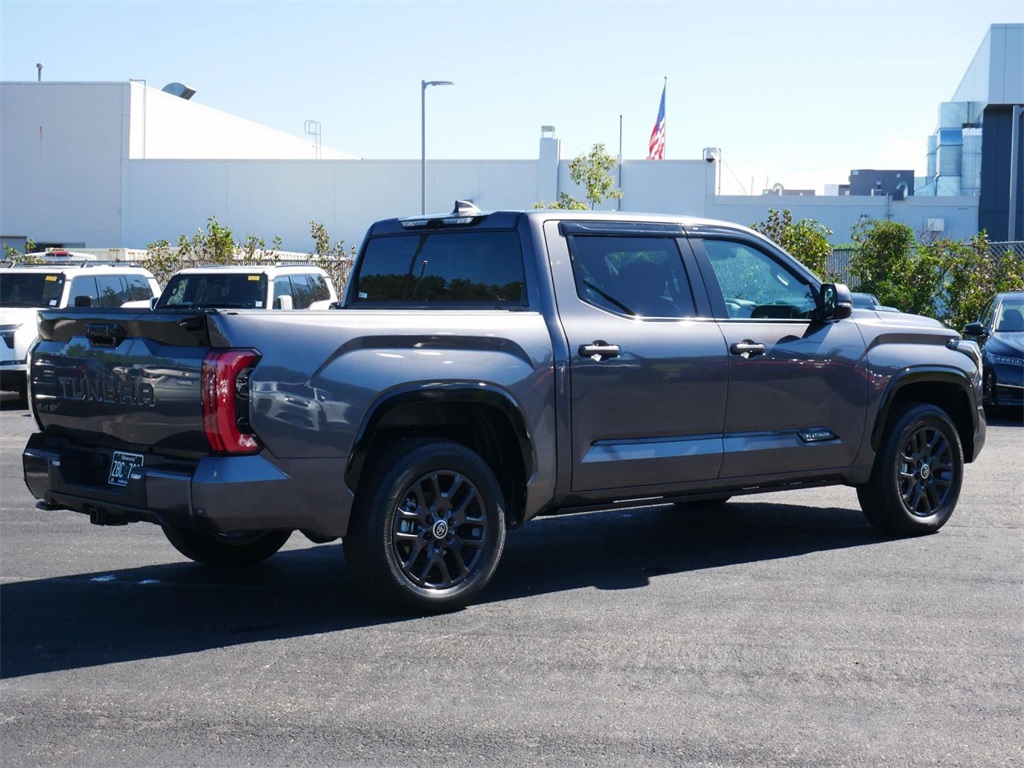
(423, 139)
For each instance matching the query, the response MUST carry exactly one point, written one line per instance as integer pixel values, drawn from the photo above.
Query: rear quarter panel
(322, 371)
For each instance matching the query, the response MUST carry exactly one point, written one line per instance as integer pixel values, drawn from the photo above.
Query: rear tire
(227, 549)
(428, 526)
(918, 472)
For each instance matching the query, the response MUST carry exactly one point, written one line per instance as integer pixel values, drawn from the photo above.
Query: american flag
(657, 147)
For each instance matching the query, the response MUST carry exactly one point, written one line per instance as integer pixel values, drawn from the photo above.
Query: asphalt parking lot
(782, 632)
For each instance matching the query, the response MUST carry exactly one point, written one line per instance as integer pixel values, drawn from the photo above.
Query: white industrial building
(102, 165)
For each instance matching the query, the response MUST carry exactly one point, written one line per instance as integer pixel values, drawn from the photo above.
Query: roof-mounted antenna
(465, 208)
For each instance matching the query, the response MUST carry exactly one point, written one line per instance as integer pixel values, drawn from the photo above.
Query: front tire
(428, 526)
(918, 472)
(227, 549)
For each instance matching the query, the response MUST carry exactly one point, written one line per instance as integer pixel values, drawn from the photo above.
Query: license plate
(121, 466)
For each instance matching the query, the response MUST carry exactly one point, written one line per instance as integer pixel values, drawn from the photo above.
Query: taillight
(226, 400)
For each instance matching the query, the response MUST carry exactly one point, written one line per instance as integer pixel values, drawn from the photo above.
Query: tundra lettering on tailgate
(107, 390)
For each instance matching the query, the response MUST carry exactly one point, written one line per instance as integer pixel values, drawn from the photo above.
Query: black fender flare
(471, 392)
(943, 375)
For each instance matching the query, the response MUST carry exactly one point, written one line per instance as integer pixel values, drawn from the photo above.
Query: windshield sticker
(51, 278)
(53, 302)
(254, 277)
(259, 304)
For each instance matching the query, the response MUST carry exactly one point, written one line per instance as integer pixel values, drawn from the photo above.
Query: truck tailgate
(121, 378)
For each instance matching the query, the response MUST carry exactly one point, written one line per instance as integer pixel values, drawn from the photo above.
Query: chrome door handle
(747, 348)
(599, 350)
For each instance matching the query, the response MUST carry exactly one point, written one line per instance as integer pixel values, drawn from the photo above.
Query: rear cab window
(441, 269)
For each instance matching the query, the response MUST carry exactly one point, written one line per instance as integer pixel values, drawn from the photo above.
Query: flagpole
(618, 202)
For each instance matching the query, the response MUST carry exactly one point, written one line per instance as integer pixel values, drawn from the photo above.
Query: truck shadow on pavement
(109, 617)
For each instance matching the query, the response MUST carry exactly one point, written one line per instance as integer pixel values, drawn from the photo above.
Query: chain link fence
(1014, 247)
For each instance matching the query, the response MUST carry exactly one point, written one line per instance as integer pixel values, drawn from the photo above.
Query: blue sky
(796, 93)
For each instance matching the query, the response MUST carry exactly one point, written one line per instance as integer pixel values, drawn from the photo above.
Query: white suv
(249, 287)
(27, 288)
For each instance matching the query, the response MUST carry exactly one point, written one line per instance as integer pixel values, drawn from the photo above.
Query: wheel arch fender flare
(941, 386)
(498, 402)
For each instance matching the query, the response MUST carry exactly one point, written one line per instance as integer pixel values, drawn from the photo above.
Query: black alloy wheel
(927, 472)
(428, 526)
(439, 530)
(918, 471)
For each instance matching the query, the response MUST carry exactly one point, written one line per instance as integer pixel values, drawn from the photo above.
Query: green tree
(972, 275)
(17, 257)
(332, 257)
(215, 245)
(806, 240)
(592, 171)
(889, 264)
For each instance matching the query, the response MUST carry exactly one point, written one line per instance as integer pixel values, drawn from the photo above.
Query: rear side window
(471, 269)
(318, 287)
(30, 289)
(137, 288)
(111, 291)
(635, 276)
(302, 294)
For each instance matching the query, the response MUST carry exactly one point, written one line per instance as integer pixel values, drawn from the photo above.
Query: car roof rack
(70, 262)
(253, 265)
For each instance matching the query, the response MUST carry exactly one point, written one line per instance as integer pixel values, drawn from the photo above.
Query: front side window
(83, 291)
(282, 287)
(756, 286)
(636, 276)
(470, 269)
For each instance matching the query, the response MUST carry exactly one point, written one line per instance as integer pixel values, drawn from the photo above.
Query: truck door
(797, 387)
(648, 373)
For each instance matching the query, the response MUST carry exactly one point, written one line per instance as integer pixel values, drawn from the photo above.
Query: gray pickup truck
(487, 368)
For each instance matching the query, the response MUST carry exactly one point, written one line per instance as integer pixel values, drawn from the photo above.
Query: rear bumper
(217, 493)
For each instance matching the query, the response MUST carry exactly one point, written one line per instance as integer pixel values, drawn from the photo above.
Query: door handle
(747, 348)
(599, 350)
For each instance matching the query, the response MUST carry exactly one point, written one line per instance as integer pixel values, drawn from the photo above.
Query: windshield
(1010, 318)
(236, 290)
(31, 289)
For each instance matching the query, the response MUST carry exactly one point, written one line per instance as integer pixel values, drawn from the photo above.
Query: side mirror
(284, 302)
(835, 303)
(974, 329)
(83, 301)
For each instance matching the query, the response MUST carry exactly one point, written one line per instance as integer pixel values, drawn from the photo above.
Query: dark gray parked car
(487, 368)
(1000, 333)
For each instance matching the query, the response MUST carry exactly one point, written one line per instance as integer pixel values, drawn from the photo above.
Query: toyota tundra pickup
(483, 369)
